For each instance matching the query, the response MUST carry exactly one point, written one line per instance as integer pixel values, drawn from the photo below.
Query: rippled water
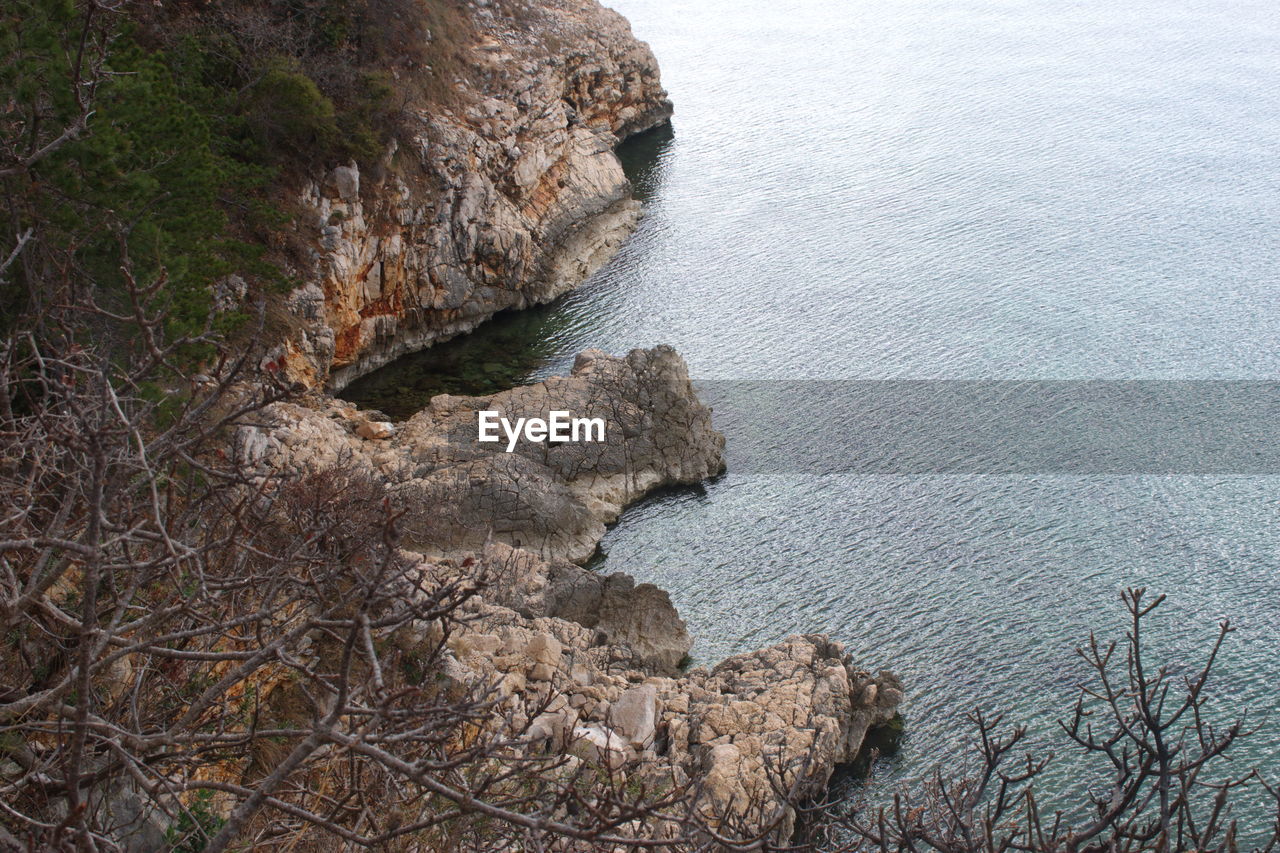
(947, 189)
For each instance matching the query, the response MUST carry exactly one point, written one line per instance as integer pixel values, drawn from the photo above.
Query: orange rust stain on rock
(346, 345)
(392, 304)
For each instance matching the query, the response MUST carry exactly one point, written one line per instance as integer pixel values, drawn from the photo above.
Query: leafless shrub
(1166, 782)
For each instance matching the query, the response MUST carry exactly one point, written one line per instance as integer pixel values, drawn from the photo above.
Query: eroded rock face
(555, 499)
(508, 197)
(639, 619)
(589, 662)
(800, 706)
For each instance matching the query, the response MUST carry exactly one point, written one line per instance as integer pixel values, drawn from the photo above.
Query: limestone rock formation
(590, 663)
(800, 706)
(555, 499)
(639, 619)
(507, 196)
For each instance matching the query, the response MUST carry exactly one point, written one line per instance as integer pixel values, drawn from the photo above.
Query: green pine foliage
(201, 118)
(153, 170)
(151, 181)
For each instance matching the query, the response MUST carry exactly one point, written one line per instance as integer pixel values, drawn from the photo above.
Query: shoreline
(591, 662)
(505, 198)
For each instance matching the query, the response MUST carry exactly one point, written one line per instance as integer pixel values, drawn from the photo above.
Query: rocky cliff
(507, 196)
(356, 624)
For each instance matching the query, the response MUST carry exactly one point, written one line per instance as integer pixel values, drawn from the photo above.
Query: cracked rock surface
(789, 713)
(551, 499)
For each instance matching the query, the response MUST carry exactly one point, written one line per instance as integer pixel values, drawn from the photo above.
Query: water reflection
(642, 159)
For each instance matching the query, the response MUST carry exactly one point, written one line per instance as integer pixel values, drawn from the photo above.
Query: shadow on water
(505, 352)
(846, 792)
(641, 158)
(880, 744)
(655, 501)
(509, 349)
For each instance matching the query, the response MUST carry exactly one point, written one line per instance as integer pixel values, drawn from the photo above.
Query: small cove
(515, 347)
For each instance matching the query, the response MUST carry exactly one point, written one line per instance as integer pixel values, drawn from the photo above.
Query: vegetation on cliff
(179, 125)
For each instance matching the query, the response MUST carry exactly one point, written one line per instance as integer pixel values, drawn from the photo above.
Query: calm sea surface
(946, 189)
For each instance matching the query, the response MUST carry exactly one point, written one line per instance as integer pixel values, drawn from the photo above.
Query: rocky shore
(589, 664)
(553, 500)
(510, 195)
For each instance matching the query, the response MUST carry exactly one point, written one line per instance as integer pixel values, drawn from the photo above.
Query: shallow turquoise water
(946, 189)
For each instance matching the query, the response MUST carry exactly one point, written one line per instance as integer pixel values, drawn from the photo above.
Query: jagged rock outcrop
(639, 619)
(555, 499)
(589, 663)
(552, 499)
(776, 719)
(507, 196)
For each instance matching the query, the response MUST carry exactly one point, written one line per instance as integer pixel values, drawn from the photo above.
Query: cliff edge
(506, 196)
